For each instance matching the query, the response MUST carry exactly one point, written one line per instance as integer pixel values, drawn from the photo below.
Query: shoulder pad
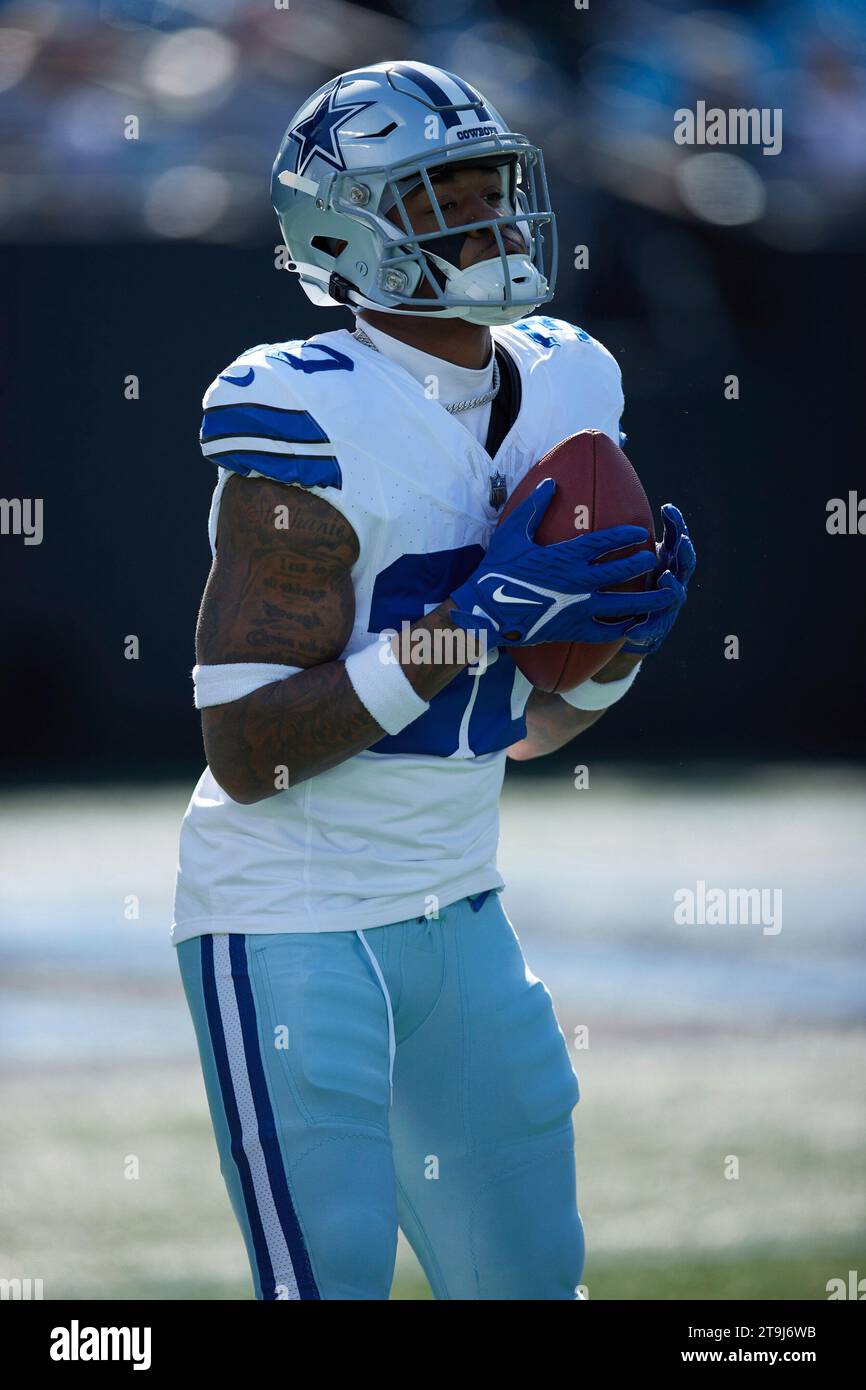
(578, 382)
(554, 341)
(549, 333)
(256, 419)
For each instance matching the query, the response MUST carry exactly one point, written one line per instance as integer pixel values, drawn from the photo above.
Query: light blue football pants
(473, 1155)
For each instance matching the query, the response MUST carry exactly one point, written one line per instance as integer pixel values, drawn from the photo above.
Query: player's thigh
(525, 1070)
(482, 1131)
(519, 1080)
(293, 1040)
(527, 1235)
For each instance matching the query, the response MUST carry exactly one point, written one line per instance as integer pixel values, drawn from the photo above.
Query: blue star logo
(317, 133)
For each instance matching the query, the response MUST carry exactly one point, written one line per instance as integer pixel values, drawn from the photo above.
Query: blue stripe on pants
(274, 1232)
(267, 1125)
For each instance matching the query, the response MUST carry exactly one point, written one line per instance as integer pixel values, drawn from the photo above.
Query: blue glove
(523, 593)
(675, 566)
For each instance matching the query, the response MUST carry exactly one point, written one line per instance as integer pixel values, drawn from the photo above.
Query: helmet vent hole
(332, 246)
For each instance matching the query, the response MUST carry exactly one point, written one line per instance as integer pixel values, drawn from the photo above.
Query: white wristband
(591, 695)
(382, 687)
(231, 680)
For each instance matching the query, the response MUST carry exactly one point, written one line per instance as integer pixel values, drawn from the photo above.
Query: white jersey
(412, 823)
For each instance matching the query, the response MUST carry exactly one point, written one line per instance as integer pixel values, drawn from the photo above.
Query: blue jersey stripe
(263, 421)
(267, 1124)
(308, 470)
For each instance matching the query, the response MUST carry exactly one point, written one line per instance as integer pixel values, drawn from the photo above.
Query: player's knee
(355, 1248)
(346, 1200)
(560, 1256)
(528, 1238)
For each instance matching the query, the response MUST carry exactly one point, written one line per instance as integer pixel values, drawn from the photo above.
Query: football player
(375, 1050)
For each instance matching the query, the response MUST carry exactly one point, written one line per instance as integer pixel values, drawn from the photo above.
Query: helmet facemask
(420, 271)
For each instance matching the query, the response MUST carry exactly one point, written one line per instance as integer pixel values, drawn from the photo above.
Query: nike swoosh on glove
(522, 593)
(675, 566)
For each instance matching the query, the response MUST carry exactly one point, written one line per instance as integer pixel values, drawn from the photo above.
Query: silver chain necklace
(453, 407)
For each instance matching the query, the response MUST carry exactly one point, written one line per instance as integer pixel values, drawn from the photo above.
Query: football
(596, 487)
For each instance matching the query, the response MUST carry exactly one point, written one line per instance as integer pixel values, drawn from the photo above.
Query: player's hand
(523, 593)
(675, 565)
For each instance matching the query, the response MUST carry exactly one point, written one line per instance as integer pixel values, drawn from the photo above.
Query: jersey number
(473, 713)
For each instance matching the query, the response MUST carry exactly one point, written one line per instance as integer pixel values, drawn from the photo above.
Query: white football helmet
(354, 151)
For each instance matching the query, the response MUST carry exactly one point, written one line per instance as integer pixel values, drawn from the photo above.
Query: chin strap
(485, 310)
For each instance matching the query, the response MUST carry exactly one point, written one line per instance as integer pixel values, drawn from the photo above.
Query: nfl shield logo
(498, 493)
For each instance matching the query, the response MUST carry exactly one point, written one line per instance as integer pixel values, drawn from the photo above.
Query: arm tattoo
(280, 588)
(281, 591)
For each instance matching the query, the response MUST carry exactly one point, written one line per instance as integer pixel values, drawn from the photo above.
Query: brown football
(596, 487)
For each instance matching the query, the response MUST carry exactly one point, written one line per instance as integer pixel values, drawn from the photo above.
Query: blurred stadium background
(155, 257)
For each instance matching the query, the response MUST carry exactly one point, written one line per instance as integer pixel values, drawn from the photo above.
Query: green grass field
(710, 1050)
(661, 1220)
